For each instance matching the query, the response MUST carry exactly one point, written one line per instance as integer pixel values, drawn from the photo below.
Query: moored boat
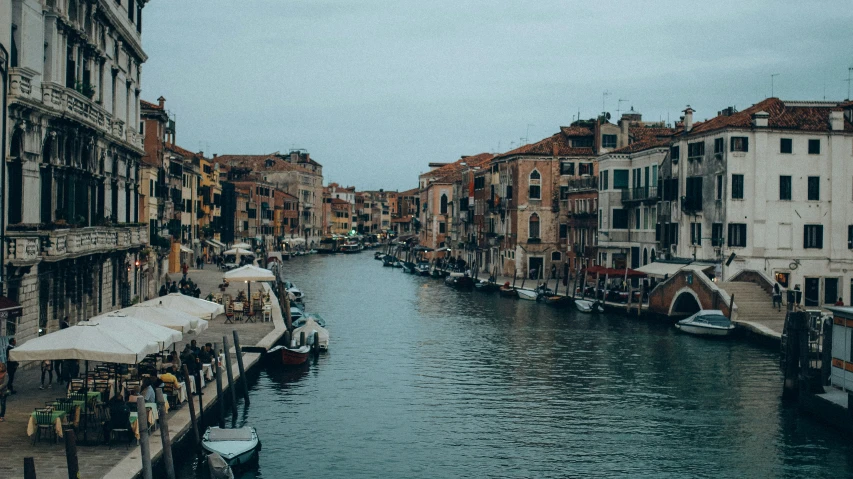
(350, 248)
(291, 356)
(309, 327)
(527, 294)
(378, 255)
(708, 322)
(422, 269)
(485, 286)
(588, 306)
(235, 446)
(507, 291)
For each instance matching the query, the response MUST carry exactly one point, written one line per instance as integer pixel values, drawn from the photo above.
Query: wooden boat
(291, 356)
(709, 322)
(309, 327)
(235, 446)
(485, 287)
(558, 301)
(507, 292)
(408, 267)
(588, 306)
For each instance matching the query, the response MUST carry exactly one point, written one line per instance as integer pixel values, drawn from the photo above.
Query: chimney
(760, 119)
(836, 120)
(161, 101)
(215, 155)
(688, 119)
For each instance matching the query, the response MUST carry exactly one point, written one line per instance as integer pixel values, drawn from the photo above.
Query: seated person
(148, 392)
(169, 377)
(119, 416)
(206, 356)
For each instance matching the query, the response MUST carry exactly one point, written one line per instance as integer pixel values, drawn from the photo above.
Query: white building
(772, 184)
(71, 239)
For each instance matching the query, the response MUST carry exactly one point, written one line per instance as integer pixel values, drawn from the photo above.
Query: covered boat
(236, 446)
(708, 322)
(589, 306)
(309, 327)
(291, 356)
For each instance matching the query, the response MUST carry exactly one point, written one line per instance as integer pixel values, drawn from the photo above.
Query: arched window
(533, 228)
(645, 256)
(443, 207)
(535, 188)
(654, 257)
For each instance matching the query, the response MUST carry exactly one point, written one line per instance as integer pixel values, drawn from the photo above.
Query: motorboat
(350, 248)
(708, 322)
(507, 291)
(304, 318)
(291, 356)
(295, 313)
(485, 286)
(589, 306)
(235, 446)
(422, 268)
(309, 327)
(409, 267)
(292, 289)
(527, 294)
(557, 301)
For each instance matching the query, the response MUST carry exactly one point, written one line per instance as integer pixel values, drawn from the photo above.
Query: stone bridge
(688, 291)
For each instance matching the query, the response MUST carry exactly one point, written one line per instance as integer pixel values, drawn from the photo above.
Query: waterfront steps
(755, 308)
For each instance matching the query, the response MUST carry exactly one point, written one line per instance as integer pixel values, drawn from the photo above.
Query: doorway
(812, 292)
(534, 268)
(830, 290)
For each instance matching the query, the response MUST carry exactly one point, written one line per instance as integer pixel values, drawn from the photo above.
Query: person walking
(4, 391)
(46, 368)
(11, 366)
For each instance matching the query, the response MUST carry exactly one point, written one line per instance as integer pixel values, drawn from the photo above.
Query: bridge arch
(685, 302)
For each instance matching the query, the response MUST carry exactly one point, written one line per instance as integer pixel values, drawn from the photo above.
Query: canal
(425, 381)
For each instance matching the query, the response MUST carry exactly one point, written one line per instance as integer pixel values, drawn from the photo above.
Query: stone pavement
(96, 461)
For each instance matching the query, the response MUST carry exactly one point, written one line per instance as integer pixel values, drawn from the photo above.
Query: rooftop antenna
(848, 80)
(603, 98)
(772, 90)
(619, 107)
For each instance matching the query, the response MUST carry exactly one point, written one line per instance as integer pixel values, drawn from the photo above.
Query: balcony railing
(29, 246)
(643, 193)
(583, 184)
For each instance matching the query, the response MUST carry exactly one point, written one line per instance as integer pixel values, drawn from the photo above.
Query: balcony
(27, 247)
(589, 183)
(643, 194)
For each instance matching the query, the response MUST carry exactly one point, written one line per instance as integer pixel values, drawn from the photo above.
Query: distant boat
(422, 269)
(529, 295)
(588, 306)
(350, 248)
(235, 446)
(291, 356)
(485, 286)
(708, 322)
(507, 291)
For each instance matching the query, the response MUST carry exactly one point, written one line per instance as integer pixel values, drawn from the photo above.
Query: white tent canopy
(164, 336)
(91, 341)
(166, 317)
(250, 273)
(239, 251)
(184, 249)
(242, 246)
(187, 304)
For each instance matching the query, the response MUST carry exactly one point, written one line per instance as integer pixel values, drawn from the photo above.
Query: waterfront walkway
(119, 462)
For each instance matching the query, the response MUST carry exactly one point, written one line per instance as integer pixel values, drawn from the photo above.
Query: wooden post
(29, 468)
(230, 376)
(71, 454)
(302, 339)
(316, 344)
(630, 297)
(287, 339)
(144, 446)
(731, 305)
(239, 350)
(168, 462)
(219, 397)
(200, 402)
(575, 283)
(193, 419)
(288, 321)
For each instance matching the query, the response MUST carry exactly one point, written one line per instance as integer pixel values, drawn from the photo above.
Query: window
(693, 194)
(564, 231)
(786, 145)
(814, 147)
(605, 180)
(695, 151)
(814, 188)
(674, 154)
(696, 233)
(535, 189)
(737, 187)
(585, 169)
(533, 228)
(620, 219)
(850, 237)
(717, 234)
(719, 187)
(813, 236)
(620, 179)
(442, 228)
(785, 188)
(443, 205)
(737, 235)
(567, 168)
(719, 145)
(564, 192)
(608, 141)
(637, 219)
(556, 256)
(739, 143)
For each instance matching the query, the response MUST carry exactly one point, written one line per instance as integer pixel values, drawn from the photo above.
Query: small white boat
(588, 306)
(235, 446)
(292, 289)
(309, 327)
(529, 295)
(709, 322)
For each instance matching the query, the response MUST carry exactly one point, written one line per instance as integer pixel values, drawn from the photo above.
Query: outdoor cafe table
(78, 406)
(56, 418)
(153, 416)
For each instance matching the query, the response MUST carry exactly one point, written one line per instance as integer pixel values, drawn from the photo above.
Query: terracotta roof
(643, 145)
(258, 163)
(453, 171)
(644, 138)
(788, 117)
(576, 131)
(412, 192)
(558, 144)
(153, 106)
(181, 151)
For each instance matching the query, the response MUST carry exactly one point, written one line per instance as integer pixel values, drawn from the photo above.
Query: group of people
(185, 286)
(194, 357)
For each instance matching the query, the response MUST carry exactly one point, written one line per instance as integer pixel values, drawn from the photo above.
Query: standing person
(4, 391)
(553, 271)
(163, 290)
(46, 368)
(777, 297)
(11, 366)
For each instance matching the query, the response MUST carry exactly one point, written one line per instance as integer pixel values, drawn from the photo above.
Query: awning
(660, 269)
(215, 244)
(9, 309)
(184, 249)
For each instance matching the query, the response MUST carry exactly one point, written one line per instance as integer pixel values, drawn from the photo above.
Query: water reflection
(425, 381)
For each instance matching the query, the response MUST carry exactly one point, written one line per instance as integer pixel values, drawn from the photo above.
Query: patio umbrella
(250, 273)
(242, 245)
(121, 321)
(90, 341)
(166, 317)
(238, 251)
(187, 304)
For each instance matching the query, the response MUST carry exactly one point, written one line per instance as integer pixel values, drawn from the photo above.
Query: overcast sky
(376, 89)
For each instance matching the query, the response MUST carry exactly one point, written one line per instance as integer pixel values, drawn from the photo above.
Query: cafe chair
(44, 424)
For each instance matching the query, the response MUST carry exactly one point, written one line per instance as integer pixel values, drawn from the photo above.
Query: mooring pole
(144, 446)
(240, 368)
(29, 468)
(165, 440)
(71, 454)
(193, 419)
(219, 397)
(230, 376)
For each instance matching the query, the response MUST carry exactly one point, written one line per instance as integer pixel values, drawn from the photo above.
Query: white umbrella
(242, 245)
(250, 273)
(237, 251)
(187, 304)
(88, 340)
(167, 317)
(119, 320)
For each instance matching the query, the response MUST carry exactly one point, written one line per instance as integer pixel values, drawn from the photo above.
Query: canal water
(425, 381)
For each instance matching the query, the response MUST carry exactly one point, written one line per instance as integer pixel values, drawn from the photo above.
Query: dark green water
(426, 381)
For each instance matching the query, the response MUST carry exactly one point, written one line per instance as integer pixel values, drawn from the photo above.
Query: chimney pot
(688, 118)
(161, 101)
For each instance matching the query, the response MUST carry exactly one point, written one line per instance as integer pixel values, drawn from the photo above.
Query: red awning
(9, 309)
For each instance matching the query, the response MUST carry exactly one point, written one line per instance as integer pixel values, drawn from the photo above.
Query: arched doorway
(685, 303)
